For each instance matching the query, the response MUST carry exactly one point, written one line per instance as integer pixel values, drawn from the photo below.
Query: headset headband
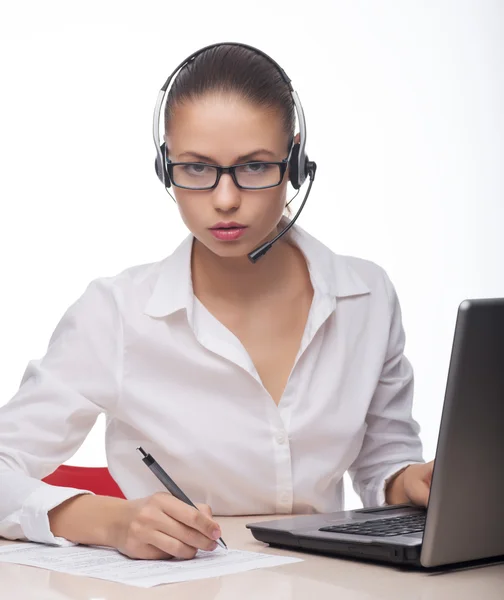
(299, 159)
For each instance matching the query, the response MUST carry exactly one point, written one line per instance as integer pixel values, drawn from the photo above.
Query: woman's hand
(412, 485)
(161, 526)
(417, 482)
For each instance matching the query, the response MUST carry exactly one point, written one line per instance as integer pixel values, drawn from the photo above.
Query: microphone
(256, 254)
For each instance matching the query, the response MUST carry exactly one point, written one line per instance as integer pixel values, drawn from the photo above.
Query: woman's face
(227, 130)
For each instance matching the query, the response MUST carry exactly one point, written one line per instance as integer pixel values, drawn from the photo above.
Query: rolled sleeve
(392, 438)
(33, 517)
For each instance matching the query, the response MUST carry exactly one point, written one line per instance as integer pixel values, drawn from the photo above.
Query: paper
(109, 564)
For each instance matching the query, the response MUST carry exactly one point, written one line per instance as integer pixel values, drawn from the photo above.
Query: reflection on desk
(317, 577)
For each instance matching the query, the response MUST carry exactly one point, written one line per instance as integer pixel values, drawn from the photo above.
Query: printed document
(110, 564)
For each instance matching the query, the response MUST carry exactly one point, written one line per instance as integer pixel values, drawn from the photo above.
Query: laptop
(464, 520)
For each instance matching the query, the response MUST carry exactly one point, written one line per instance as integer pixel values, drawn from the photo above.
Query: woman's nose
(226, 196)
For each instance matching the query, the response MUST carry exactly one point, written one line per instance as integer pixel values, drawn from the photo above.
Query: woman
(257, 385)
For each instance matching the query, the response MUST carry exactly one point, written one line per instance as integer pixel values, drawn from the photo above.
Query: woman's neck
(239, 281)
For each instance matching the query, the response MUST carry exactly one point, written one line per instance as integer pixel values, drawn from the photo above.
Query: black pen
(169, 484)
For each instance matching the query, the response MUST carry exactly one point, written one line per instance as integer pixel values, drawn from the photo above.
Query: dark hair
(229, 68)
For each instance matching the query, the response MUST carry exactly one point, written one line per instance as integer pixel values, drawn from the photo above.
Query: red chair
(94, 479)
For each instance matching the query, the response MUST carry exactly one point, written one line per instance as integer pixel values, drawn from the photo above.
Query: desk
(317, 578)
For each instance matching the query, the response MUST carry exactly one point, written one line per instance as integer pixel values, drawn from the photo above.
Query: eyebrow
(242, 158)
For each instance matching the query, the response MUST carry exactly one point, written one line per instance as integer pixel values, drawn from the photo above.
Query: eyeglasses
(256, 175)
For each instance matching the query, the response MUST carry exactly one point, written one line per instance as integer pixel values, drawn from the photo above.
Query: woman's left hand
(417, 482)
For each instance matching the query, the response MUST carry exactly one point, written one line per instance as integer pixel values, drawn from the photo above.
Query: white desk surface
(317, 578)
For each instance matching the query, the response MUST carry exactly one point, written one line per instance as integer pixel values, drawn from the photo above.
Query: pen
(169, 484)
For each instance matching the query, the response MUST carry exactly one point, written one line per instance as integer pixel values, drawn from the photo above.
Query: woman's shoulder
(145, 275)
(345, 273)
(369, 275)
(138, 274)
(127, 289)
(369, 270)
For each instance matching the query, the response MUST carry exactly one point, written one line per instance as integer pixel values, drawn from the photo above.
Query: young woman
(255, 383)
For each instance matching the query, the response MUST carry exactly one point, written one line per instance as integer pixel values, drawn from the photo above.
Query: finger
(417, 491)
(430, 472)
(170, 545)
(190, 516)
(146, 551)
(184, 533)
(204, 508)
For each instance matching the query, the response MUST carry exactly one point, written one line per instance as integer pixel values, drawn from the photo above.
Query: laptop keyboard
(382, 527)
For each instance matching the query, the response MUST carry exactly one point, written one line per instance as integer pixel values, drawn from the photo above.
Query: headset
(299, 166)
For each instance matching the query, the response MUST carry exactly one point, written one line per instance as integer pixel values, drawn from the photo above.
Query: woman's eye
(195, 169)
(256, 167)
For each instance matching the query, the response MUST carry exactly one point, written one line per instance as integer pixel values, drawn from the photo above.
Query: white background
(404, 102)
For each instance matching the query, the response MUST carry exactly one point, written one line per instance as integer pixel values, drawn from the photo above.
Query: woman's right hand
(161, 526)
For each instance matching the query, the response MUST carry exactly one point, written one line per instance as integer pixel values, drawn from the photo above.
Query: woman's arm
(57, 404)
(392, 439)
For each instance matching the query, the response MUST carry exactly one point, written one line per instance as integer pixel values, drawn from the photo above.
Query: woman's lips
(229, 233)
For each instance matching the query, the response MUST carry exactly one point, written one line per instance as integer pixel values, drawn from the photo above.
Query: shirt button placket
(284, 472)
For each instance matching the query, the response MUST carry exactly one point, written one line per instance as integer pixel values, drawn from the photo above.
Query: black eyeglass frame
(231, 170)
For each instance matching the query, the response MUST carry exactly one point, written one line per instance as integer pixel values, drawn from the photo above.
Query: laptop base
(389, 553)
(407, 558)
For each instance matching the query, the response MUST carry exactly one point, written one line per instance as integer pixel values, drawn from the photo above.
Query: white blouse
(141, 348)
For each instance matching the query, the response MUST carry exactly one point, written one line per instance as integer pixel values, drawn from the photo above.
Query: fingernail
(216, 534)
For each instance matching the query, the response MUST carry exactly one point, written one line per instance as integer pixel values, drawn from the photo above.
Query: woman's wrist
(394, 488)
(88, 519)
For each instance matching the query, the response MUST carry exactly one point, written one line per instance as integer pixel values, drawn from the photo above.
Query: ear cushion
(294, 175)
(160, 168)
(293, 167)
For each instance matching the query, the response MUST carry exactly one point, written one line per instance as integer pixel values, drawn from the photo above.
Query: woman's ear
(297, 137)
